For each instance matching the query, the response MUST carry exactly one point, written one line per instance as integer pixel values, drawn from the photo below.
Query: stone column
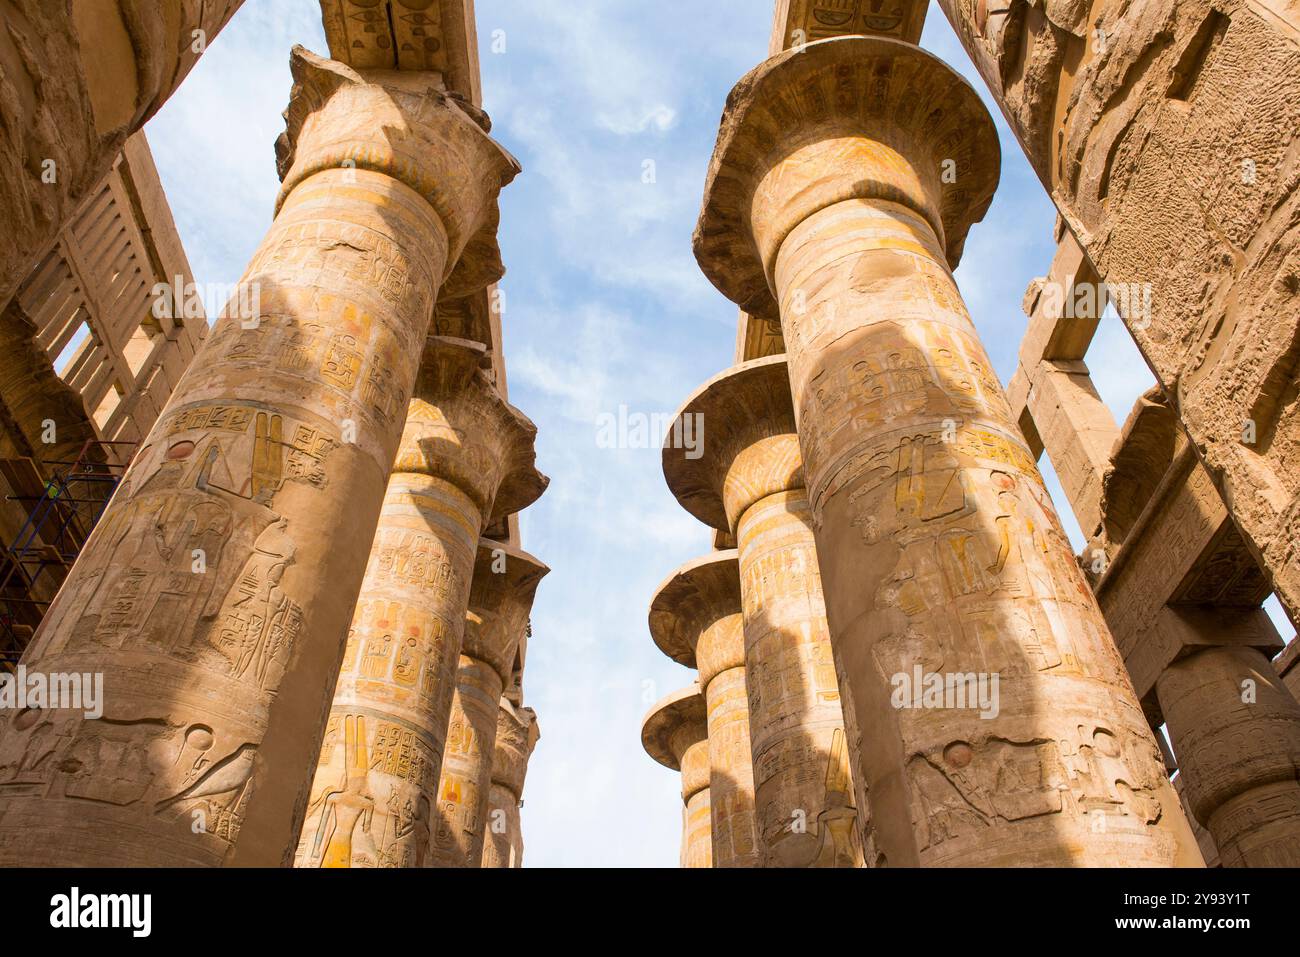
(465, 460)
(844, 181)
(216, 591)
(76, 80)
(748, 480)
(517, 734)
(695, 619)
(501, 595)
(1235, 731)
(675, 733)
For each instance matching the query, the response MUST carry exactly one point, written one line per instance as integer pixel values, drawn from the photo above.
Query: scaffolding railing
(61, 512)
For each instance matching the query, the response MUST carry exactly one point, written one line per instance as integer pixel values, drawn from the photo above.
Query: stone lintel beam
(1078, 432)
(696, 619)
(404, 126)
(675, 733)
(750, 448)
(433, 36)
(1184, 551)
(1149, 442)
(76, 80)
(805, 130)
(798, 22)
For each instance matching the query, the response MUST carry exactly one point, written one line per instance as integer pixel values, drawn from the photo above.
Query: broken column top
(745, 412)
(920, 119)
(690, 600)
(673, 725)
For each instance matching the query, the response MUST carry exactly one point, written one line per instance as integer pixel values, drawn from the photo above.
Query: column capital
(517, 735)
(747, 447)
(501, 596)
(695, 616)
(460, 429)
(672, 727)
(847, 118)
(407, 126)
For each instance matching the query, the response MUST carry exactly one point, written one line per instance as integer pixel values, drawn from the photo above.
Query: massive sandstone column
(1235, 730)
(675, 733)
(77, 78)
(696, 619)
(749, 482)
(465, 460)
(517, 734)
(216, 591)
(501, 595)
(844, 181)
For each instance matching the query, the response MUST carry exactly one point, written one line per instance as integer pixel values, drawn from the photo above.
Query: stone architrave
(696, 619)
(76, 80)
(216, 591)
(676, 734)
(517, 735)
(844, 181)
(749, 481)
(501, 595)
(465, 460)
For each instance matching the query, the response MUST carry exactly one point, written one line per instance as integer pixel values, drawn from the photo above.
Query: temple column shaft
(504, 582)
(463, 450)
(697, 820)
(675, 733)
(796, 722)
(465, 789)
(1235, 731)
(517, 735)
(940, 553)
(748, 481)
(215, 593)
(721, 655)
(384, 743)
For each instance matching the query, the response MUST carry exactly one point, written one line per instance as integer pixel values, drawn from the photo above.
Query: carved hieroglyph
(501, 595)
(675, 733)
(845, 179)
(1165, 132)
(216, 591)
(466, 458)
(749, 481)
(517, 735)
(696, 619)
(77, 79)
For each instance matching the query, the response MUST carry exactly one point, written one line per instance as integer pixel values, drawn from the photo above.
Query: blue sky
(605, 307)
